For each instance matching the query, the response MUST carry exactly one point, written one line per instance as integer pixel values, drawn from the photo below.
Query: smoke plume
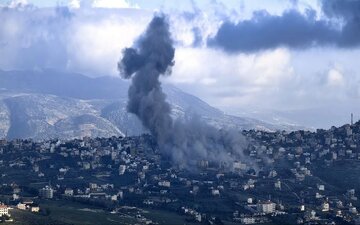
(188, 140)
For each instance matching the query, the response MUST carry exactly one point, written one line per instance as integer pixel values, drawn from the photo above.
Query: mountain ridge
(47, 104)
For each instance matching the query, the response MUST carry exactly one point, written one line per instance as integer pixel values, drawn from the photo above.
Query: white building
(114, 197)
(122, 169)
(86, 166)
(21, 206)
(69, 192)
(215, 192)
(248, 220)
(46, 192)
(16, 197)
(4, 210)
(325, 207)
(321, 187)
(266, 207)
(302, 208)
(353, 210)
(34, 208)
(164, 183)
(239, 166)
(120, 194)
(198, 217)
(277, 185)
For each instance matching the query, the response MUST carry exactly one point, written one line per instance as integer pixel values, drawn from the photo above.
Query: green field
(62, 212)
(343, 174)
(66, 213)
(165, 217)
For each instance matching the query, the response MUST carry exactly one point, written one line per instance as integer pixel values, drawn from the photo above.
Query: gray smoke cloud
(293, 29)
(186, 140)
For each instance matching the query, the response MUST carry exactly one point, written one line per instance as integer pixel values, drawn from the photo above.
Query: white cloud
(89, 40)
(335, 78)
(74, 4)
(226, 80)
(113, 4)
(15, 4)
(315, 80)
(68, 40)
(99, 50)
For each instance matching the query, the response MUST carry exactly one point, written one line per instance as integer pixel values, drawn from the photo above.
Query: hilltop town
(299, 177)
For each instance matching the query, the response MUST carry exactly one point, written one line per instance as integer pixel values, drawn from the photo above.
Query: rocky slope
(52, 104)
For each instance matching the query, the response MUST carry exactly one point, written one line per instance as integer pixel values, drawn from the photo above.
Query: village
(292, 180)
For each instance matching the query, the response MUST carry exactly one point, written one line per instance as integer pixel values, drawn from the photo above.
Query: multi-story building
(4, 210)
(266, 207)
(46, 192)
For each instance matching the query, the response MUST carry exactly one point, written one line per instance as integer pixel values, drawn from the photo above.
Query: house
(69, 192)
(325, 207)
(4, 210)
(21, 206)
(266, 207)
(164, 183)
(28, 205)
(34, 208)
(215, 192)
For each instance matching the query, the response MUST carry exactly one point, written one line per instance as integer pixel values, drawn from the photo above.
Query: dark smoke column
(186, 140)
(152, 57)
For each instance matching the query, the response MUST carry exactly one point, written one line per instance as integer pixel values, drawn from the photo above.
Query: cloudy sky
(277, 60)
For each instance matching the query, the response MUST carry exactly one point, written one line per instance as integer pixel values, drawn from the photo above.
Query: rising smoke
(188, 140)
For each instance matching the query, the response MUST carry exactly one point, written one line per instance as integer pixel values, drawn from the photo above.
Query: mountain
(53, 104)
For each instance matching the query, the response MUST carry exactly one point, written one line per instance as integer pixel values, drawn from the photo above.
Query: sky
(155, 4)
(290, 61)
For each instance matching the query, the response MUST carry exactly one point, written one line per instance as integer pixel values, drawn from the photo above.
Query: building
(122, 169)
(34, 208)
(93, 186)
(120, 194)
(46, 192)
(16, 197)
(86, 166)
(321, 187)
(69, 192)
(325, 207)
(28, 205)
(266, 207)
(25, 204)
(353, 210)
(114, 197)
(248, 220)
(198, 217)
(302, 208)
(215, 192)
(239, 166)
(164, 183)
(4, 210)
(351, 194)
(277, 185)
(21, 206)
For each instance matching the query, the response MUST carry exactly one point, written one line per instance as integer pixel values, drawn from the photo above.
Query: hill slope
(52, 104)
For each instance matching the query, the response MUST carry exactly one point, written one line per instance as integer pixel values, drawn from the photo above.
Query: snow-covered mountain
(52, 104)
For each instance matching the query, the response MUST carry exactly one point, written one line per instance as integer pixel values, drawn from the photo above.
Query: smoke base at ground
(187, 140)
